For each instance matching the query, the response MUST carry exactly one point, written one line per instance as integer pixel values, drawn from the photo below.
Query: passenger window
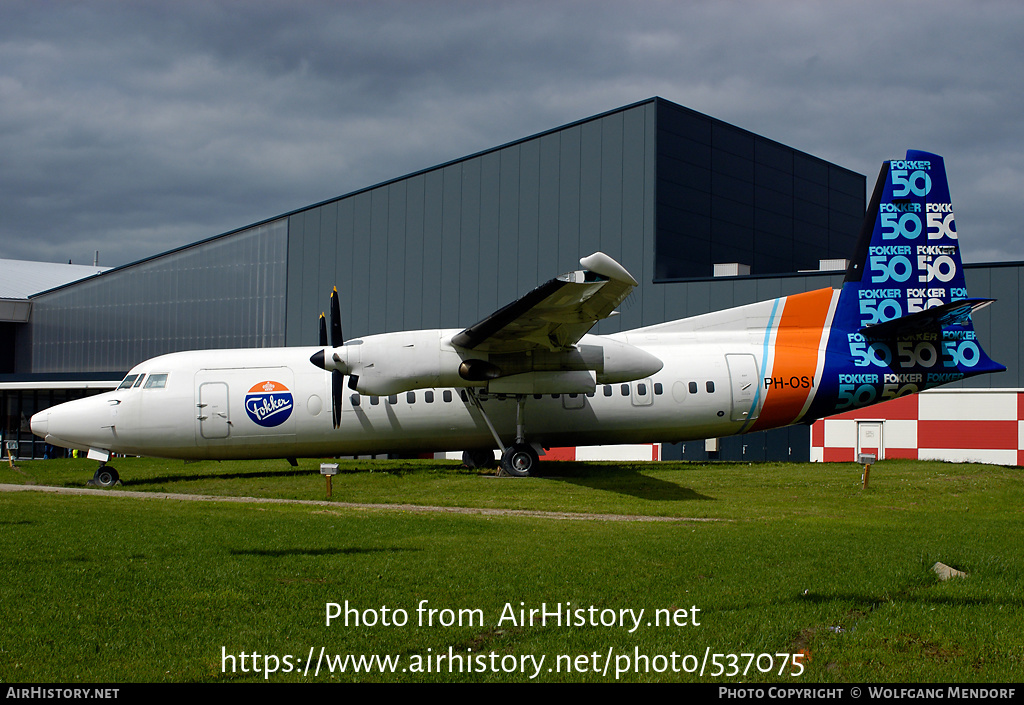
(625, 390)
(693, 387)
(710, 387)
(393, 399)
(641, 389)
(447, 395)
(410, 397)
(355, 400)
(607, 390)
(428, 396)
(156, 382)
(374, 401)
(658, 389)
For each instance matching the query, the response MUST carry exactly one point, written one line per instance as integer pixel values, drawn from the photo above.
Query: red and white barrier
(955, 425)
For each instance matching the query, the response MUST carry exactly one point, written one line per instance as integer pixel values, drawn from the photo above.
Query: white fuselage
(211, 405)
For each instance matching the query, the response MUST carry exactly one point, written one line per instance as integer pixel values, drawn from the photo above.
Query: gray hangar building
(705, 216)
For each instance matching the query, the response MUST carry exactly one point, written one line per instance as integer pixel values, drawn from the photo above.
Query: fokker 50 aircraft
(529, 376)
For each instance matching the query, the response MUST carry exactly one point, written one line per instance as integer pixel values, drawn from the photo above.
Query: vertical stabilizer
(903, 321)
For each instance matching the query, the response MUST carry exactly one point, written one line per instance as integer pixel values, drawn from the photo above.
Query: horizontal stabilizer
(933, 319)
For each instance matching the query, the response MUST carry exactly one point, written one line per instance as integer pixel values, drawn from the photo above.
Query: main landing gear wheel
(519, 460)
(105, 476)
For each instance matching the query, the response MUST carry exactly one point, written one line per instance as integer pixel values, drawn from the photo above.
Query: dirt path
(576, 516)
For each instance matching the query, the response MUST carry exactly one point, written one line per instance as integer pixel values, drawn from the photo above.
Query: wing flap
(556, 314)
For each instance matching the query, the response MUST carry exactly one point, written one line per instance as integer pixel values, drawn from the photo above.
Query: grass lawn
(767, 559)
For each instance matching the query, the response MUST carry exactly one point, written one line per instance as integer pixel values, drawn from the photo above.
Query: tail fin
(902, 322)
(908, 254)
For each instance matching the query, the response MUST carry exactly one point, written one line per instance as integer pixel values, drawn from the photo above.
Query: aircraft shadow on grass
(623, 480)
(219, 476)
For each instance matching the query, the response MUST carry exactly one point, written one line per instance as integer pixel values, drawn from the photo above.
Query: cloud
(133, 128)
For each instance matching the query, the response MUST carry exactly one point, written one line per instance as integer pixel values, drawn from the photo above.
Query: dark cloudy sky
(135, 127)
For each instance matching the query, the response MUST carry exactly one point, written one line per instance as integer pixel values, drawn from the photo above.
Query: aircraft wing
(556, 314)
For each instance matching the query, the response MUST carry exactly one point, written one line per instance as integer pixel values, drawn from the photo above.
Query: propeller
(319, 358)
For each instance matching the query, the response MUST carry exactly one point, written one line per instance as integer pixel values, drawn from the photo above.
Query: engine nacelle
(391, 363)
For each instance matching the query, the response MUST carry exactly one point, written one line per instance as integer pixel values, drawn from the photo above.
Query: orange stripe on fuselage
(796, 359)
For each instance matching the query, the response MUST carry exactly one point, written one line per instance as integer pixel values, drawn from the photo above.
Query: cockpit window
(128, 382)
(138, 382)
(156, 381)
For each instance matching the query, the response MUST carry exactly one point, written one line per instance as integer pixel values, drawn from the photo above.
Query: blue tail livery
(902, 323)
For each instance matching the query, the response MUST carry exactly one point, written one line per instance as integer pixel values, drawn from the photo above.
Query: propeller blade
(337, 391)
(319, 358)
(336, 338)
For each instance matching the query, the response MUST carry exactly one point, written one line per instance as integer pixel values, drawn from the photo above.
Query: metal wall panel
(448, 246)
(228, 292)
(469, 271)
(569, 188)
(312, 295)
(433, 220)
(753, 194)
(1004, 339)
(610, 241)
(396, 256)
(548, 205)
(490, 222)
(376, 309)
(507, 266)
(1000, 326)
(590, 187)
(345, 245)
(414, 252)
(529, 207)
(451, 243)
(653, 297)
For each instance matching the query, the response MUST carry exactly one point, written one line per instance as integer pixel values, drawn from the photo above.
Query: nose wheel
(105, 476)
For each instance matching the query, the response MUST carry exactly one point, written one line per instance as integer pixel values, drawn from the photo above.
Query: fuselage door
(212, 410)
(743, 379)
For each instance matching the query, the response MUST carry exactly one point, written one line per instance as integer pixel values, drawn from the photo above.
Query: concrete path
(348, 505)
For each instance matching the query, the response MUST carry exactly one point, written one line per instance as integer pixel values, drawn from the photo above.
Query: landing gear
(519, 459)
(105, 476)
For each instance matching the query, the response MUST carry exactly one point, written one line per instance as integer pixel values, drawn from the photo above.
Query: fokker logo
(269, 403)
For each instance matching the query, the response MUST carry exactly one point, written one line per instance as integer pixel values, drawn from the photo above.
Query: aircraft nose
(40, 423)
(77, 423)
